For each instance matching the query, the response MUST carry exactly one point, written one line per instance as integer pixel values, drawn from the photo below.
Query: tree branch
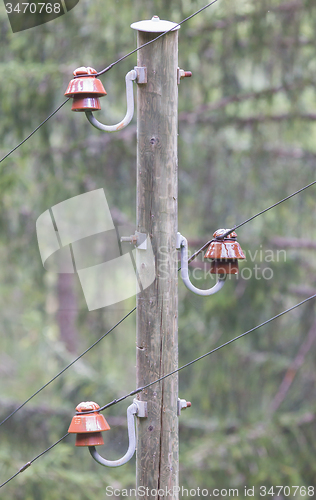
(282, 242)
(293, 153)
(302, 290)
(229, 21)
(195, 118)
(225, 101)
(293, 368)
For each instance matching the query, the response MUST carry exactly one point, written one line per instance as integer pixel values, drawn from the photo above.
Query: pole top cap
(155, 25)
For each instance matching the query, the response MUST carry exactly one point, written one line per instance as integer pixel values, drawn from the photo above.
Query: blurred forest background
(247, 138)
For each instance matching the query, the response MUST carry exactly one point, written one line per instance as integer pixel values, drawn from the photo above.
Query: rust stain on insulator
(88, 426)
(225, 253)
(85, 90)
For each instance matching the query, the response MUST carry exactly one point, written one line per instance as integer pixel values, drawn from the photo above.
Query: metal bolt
(129, 239)
(183, 74)
(183, 404)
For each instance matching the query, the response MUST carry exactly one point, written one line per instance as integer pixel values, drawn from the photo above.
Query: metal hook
(131, 75)
(182, 244)
(138, 408)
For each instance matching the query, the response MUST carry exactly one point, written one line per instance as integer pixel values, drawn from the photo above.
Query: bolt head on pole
(155, 25)
(224, 253)
(85, 90)
(88, 426)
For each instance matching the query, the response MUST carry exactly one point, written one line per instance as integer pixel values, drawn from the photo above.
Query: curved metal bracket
(131, 412)
(131, 75)
(182, 244)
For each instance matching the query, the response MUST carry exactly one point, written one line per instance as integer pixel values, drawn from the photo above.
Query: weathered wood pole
(157, 306)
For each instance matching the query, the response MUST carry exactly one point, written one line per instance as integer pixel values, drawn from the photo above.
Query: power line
(190, 259)
(45, 451)
(68, 366)
(28, 464)
(269, 208)
(140, 389)
(35, 130)
(191, 362)
(104, 71)
(250, 219)
(154, 40)
(30, 135)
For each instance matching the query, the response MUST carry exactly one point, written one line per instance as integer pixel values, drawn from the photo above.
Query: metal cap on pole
(155, 25)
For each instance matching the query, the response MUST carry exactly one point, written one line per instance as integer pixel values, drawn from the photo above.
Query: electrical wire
(140, 389)
(35, 130)
(154, 40)
(104, 71)
(250, 219)
(190, 260)
(28, 464)
(68, 366)
(30, 135)
(269, 208)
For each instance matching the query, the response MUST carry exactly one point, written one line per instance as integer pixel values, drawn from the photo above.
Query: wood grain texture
(157, 306)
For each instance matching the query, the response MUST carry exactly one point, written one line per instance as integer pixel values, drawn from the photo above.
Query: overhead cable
(68, 366)
(104, 71)
(195, 254)
(155, 39)
(30, 135)
(190, 260)
(269, 208)
(28, 464)
(140, 389)
(35, 130)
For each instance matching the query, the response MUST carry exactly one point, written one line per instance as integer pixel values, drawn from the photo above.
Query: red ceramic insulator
(88, 426)
(85, 90)
(224, 253)
(89, 439)
(85, 103)
(224, 267)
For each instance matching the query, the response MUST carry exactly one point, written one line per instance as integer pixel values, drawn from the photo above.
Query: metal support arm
(131, 75)
(131, 412)
(182, 244)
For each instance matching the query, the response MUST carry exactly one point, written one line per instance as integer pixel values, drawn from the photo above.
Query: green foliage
(246, 139)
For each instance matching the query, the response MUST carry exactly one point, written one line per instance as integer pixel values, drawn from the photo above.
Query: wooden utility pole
(157, 305)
